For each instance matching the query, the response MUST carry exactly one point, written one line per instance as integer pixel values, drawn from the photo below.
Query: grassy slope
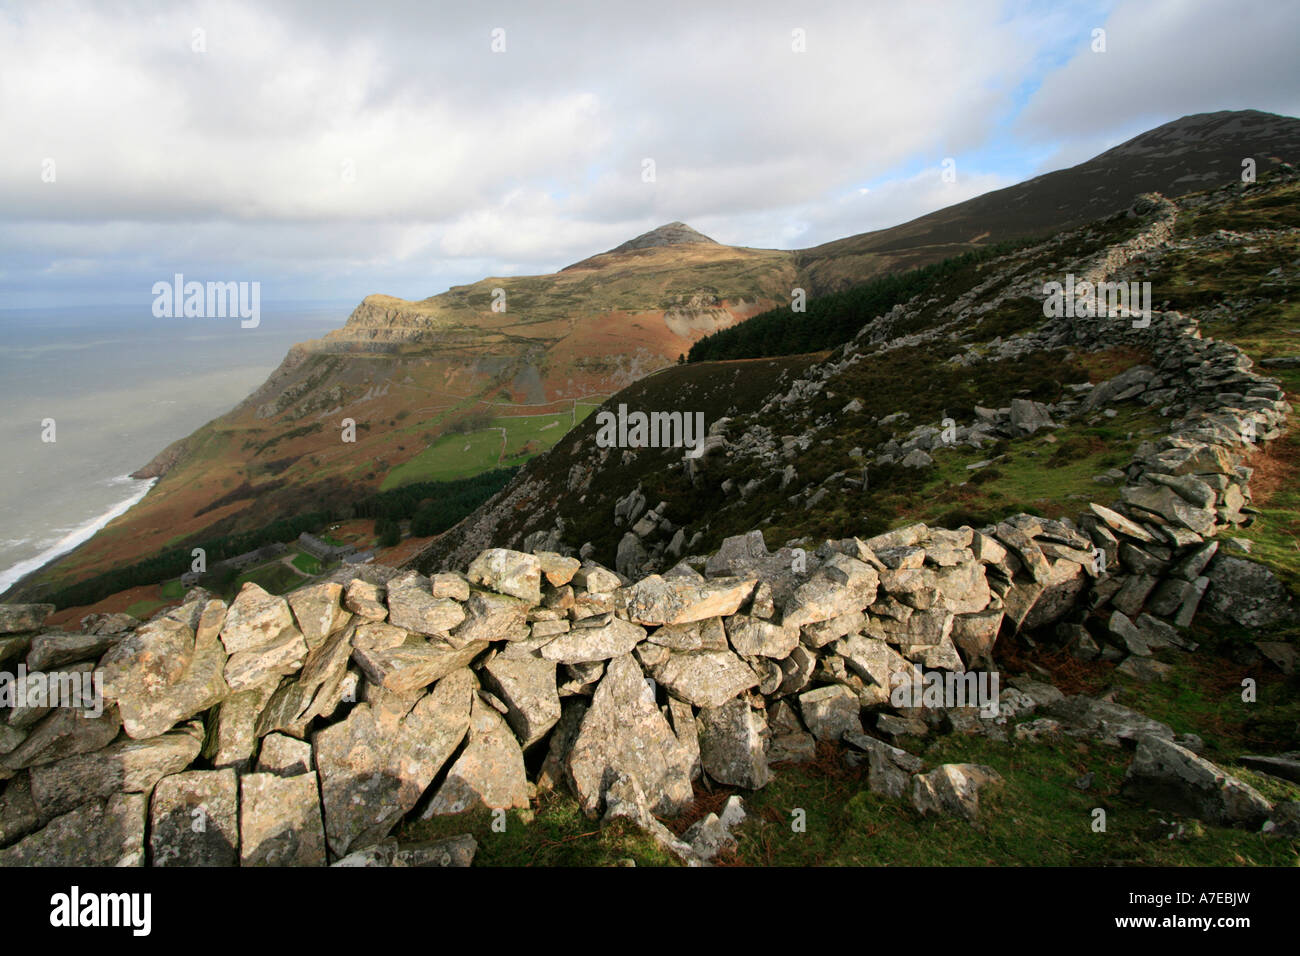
(1038, 817)
(465, 455)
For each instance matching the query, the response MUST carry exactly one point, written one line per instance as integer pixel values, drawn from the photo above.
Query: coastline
(77, 536)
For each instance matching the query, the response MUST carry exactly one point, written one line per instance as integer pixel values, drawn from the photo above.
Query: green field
(143, 610)
(463, 456)
(275, 576)
(306, 563)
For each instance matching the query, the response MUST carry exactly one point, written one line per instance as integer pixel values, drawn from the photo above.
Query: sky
(333, 150)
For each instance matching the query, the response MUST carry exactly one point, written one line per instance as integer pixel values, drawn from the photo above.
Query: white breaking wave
(73, 538)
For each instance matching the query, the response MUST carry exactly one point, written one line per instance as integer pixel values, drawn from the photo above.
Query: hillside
(1188, 154)
(826, 447)
(446, 387)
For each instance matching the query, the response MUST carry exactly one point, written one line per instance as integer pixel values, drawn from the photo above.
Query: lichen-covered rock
(527, 687)
(706, 635)
(830, 712)
(194, 819)
(412, 605)
(608, 639)
(1245, 593)
(56, 649)
(365, 599)
(953, 790)
(255, 618)
(1104, 720)
(488, 773)
(705, 678)
(312, 692)
(558, 569)
(232, 733)
(18, 816)
(284, 755)
(975, 636)
(491, 617)
(375, 765)
(63, 732)
(403, 662)
(754, 637)
(1173, 778)
(131, 766)
(596, 579)
(623, 731)
(655, 600)
(99, 832)
(732, 744)
(148, 711)
(509, 572)
(283, 655)
(823, 597)
(319, 611)
(149, 660)
(16, 618)
(280, 821)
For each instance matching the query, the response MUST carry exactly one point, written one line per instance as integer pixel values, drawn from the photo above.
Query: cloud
(1165, 59)
(332, 155)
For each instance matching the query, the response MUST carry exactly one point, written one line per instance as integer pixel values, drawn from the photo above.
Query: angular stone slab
(319, 611)
(374, 766)
(280, 821)
(131, 766)
(99, 832)
(613, 639)
(201, 685)
(752, 637)
(1173, 778)
(64, 732)
(508, 572)
(411, 605)
(623, 731)
(255, 618)
(953, 790)
(655, 600)
(403, 662)
(194, 819)
(280, 657)
(705, 678)
(488, 773)
(731, 744)
(491, 617)
(56, 649)
(527, 687)
(284, 755)
(16, 618)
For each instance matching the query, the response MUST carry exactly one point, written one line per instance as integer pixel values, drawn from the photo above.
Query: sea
(90, 395)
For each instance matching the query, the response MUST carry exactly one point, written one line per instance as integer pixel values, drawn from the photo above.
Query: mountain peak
(669, 234)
